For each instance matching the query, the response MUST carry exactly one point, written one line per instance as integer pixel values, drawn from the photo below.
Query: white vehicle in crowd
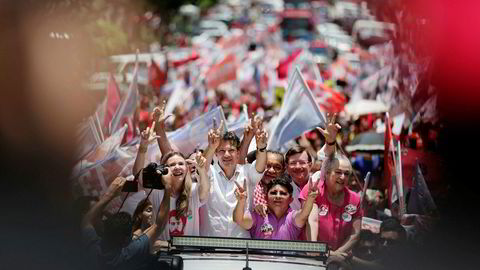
(212, 253)
(370, 32)
(122, 67)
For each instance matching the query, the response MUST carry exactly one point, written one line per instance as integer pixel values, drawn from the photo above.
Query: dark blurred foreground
(37, 117)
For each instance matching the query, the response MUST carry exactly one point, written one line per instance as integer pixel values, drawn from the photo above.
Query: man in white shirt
(217, 213)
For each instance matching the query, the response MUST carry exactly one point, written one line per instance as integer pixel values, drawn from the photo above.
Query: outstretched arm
(248, 135)
(312, 225)
(302, 217)
(353, 238)
(261, 138)
(243, 219)
(146, 137)
(113, 190)
(154, 231)
(204, 182)
(214, 138)
(162, 140)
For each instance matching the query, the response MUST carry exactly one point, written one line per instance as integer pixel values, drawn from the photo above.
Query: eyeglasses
(340, 173)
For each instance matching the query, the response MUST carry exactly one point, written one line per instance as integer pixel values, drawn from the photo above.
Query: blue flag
(420, 200)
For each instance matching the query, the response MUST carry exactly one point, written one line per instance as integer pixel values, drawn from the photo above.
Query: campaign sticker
(346, 217)
(351, 209)
(323, 210)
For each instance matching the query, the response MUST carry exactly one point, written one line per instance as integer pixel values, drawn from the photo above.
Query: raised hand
(116, 186)
(331, 128)
(241, 192)
(257, 122)
(261, 138)
(200, 162)
(215, 135)
(312, 189)
(148, 135)
(159, 115)
(249, 131)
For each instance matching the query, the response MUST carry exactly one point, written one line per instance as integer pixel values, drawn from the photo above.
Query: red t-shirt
(335, 224)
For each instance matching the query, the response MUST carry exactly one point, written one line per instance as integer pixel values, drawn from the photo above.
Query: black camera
(152, 175)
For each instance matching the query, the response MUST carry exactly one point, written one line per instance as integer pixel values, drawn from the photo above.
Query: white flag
(299, 113)
(87, 138)
(194, 134)
(238, 125)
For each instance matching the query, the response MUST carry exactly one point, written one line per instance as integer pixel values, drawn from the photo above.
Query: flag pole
(364, 190)
(399, 181)
(99, 126)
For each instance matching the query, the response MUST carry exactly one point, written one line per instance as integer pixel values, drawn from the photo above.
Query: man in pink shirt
(336, 214)
(281, 223)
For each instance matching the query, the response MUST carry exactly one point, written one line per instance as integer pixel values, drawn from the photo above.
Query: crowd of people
(222, 191)
(311, 189)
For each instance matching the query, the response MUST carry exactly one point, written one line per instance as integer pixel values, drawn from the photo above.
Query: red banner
(222, 72)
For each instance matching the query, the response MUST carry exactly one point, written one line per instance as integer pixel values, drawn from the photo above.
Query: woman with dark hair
(142, 217)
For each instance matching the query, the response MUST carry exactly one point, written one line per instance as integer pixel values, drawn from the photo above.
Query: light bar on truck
(253, 244)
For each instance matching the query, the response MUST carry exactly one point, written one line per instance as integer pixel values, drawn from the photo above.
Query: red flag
(283, 66)
(389, 160)
(327, 99)
(113, 101)
(156, 77)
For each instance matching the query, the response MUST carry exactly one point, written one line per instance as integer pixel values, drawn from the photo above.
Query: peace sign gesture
(159, 115)
(148, 135)
(254, 123)
(331, 129)
(261, 138)
(241, 192)
(215, 134)
(312, 189)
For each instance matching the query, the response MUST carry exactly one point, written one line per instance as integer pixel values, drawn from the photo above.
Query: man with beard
(176, 224)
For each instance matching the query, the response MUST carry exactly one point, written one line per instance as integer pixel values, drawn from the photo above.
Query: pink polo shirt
(335, 224)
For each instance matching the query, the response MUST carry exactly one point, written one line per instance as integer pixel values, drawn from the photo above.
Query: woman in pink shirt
(281, 222)
(336, 214)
